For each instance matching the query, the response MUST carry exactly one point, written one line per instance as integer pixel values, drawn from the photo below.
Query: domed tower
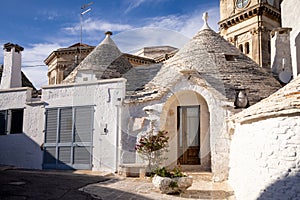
(247, 25)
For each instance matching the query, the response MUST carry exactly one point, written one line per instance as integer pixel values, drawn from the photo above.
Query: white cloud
(91, 26)
(172, 30)
(189, 24)
(135, 39)
(35, 54)
(194, 22)
(37, 75)
(33, 62)
(134, 4)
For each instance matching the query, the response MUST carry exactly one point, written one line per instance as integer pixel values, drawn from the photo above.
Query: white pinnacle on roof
(205, 19)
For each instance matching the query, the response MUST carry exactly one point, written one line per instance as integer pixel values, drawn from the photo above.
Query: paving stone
(135, 188)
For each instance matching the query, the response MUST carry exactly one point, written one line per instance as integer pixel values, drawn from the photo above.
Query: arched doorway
(186, 118)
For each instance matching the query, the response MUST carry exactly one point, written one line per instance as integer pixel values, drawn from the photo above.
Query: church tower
(247, 24)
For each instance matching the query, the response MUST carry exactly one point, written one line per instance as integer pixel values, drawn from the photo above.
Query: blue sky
(41, 26)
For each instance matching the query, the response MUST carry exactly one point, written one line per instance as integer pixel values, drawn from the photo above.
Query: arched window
(247, 48)
(241, 48)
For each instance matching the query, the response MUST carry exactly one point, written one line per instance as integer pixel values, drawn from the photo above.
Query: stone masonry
(265, 147)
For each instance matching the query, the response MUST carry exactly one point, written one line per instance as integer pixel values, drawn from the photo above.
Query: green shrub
(152, 146)
(164, 172)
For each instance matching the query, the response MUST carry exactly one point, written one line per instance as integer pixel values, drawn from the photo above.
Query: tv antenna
(84, 9)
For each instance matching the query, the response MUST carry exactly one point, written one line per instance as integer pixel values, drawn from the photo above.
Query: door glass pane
(66, 125)
(180, 127)
(193, 126)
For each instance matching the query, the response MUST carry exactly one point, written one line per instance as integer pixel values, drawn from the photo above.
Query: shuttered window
(68, 137)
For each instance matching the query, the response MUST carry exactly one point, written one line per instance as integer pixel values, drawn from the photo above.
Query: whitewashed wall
(265, 159)
(219, 138)
(290, 19)
(106, 97)
(22, 150)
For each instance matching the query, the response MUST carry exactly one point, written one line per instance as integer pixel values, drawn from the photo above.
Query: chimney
(108, 33)
(11, 75)
(281, 61)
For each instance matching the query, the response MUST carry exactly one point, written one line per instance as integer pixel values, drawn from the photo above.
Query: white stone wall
(106, 96)
(219, 138)
(265, 159)
(290, 19)
(22, 150)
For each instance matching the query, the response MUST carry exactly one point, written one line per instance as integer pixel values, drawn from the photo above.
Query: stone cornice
(259, 9)
(64, 51)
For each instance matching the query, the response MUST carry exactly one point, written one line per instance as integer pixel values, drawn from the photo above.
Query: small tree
(152, 146)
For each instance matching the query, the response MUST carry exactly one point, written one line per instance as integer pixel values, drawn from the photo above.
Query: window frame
(11, 119)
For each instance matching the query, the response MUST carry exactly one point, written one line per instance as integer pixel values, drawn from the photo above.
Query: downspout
(117, 138)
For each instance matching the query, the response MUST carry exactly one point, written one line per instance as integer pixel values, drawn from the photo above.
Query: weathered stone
(172, 185)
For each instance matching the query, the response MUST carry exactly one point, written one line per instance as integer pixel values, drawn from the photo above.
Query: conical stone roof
(285, 101)
(106, 61)
(210, 59)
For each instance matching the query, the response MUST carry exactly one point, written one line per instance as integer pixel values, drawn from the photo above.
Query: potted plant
(170, 182)
(151, 147)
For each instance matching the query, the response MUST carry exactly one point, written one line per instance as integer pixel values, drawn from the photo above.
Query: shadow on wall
(297, 44)
(286, 188)
(21, 151)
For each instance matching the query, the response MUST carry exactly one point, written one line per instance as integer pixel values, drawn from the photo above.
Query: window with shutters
(68, 137)
(11, 121)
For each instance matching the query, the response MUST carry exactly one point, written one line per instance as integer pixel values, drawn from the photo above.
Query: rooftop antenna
(84, 9)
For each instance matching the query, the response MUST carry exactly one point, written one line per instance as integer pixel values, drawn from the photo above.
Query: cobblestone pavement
(18, 184)
(135, 188)
(87, 185)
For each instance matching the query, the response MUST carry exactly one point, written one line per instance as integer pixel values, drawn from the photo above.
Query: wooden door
(189, 135)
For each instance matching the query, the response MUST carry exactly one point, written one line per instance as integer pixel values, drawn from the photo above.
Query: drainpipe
(117, 137)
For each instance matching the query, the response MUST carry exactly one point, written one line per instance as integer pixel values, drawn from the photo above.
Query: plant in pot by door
(170, 182)
(152, 147)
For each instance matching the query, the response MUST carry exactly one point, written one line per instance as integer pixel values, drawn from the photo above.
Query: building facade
(289, 20)
(222, 111)
(247, 24)
(63, 61)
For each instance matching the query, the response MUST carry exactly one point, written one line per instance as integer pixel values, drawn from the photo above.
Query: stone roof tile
(284, 101)
(221, 65)
(106, 61)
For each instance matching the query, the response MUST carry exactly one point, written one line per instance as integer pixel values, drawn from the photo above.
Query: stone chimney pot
(108, 33)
